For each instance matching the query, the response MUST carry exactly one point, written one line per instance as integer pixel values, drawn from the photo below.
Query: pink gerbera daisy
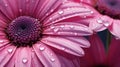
(39, 33)
(106, 14)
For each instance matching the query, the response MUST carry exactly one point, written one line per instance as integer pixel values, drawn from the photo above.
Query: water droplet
(99, 21)
(47, 14)
(52, 10)
(51, 54)
(75, 34)
(91, 12)
(50, 18)
(61, 12)
(20, 10)
(24, 60)
(84, 16)
(71, 26)
(52, 59)
(1, 41)
(62, 26)
(10, 50)
(36, 19)
(42, 48)
(52, 27)
(106, 24)
(6, 5)
(56, 29)
(63, 48)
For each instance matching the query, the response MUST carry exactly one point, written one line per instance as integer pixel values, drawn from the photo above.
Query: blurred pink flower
(96, 55)
(106, 15)
(37, 33)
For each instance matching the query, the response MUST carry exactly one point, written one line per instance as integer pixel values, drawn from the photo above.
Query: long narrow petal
(114, 53)
(23, 57)
(46, 55)
(66, 44)
(69, 62)
(114, 28)
(68, 28)
(8, 8)
(35, 60)
(5, 54)
(45, 7)
(95, 54)
(68, 10)
(99, 22)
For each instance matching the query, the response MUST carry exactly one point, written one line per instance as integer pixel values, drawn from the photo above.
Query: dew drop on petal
(61, 12)
(56, 30)
(62, 26)
(106, 24)
(52, 27)
(51, 54)
(20, 10)
(1, 41)
(84, 16)
(52, 59)
(42, 48)
(24, 60)
(91, 12)
(10, 50)
(63, 48)
(99, 21)
(50, 18)
(52, 10)
(75, 34)
(71, 26)
(6, 5)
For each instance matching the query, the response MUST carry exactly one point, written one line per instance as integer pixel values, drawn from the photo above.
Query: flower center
(24, 31)
(109, 7)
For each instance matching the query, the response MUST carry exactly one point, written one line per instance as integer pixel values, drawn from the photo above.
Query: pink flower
(96, 55)
(106, 14)
(37, 33)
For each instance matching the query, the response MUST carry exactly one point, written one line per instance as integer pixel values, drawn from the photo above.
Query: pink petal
(11, 62)
(45, 7)
(35, 60)
(69, 62)
(114, 53)
(114, 28)
(100, 23)
(66, 45)
(7, 8)
(68, 28)
(23, 57)
(3, 43)
(5, 54)
(68, 10)
(3, 25)
(46, 55)
(95, 54)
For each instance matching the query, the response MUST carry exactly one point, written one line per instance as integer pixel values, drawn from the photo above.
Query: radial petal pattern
(69, 29)
(46, 55)
(53, 33)
(66, 44)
